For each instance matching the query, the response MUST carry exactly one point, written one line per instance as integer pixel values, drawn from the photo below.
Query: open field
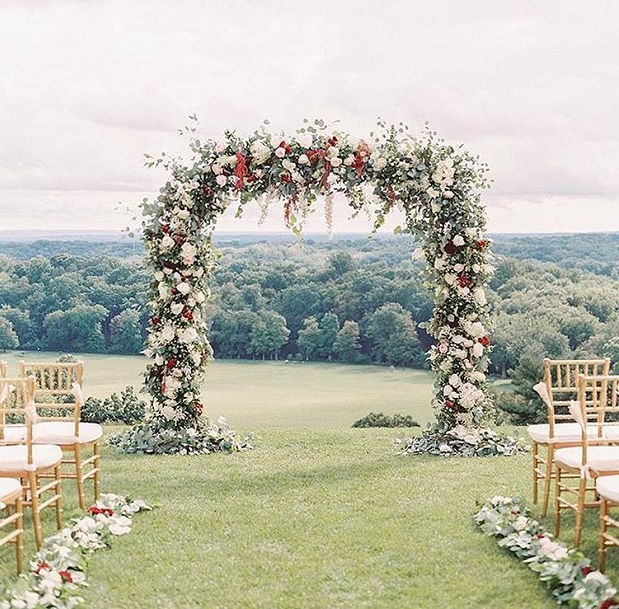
(256, 395)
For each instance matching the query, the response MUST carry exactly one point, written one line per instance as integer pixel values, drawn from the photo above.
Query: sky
(86, 88)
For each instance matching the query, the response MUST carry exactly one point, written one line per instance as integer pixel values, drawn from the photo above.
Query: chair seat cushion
(62, 433)
(599, 458)
(608, 487)
(8, 487)
(14, 434)
(14, 459)
(611, 431)
(564, 432)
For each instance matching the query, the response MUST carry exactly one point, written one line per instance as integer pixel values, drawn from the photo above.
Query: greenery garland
(435, 186)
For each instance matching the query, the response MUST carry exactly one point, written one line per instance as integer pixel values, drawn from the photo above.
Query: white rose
(176, 308)
(450, 278)
(187, 335)
(380, 163)
(454, 380)
(167, 412)
(305, 140)
(166, 242)
(479, 296)
(432, 193)
(216, 169)
(447, 390)
(439, 263)
(221, 180)
(303, 159)
(448, 194)
(458, 268)
(335, 161)
(275, 140)
(167, 333)
(188, 252)
(164, 291)
(476, 268)
(259, 152)
(199, 296)
(349, 160)
(184, 288)
(289, 165)
(159, 276)
(280, 152)
(478, 350)
(458, 240)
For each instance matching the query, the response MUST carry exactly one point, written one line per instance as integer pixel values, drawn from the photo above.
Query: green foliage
(381, 420)
(8, 336)
(524, 404)
(125, 408)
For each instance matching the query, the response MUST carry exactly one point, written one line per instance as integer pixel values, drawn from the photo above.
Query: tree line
(349, 300)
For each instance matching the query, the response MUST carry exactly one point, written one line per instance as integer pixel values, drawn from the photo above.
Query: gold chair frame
(560, 380)
(55, 383)
(597, 398)
(20, 402)
(13, 503)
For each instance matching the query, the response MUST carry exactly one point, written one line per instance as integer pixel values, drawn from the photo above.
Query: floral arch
(436, 186)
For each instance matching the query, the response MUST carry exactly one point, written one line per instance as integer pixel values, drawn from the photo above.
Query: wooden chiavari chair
(558, 389)
(59, 403)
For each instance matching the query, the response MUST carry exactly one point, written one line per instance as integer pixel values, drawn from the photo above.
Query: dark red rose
(198, 406)
(586, 570)
(171, 363)
(165, 228)
(609, 603)
(450, 405)
(484, 340)
(42, 566)
(481, 244)
(155, 320)
(332, 141)
(94, 510)
(286, 178)
(464, 281)
(450, 248)
(66, 576)
(208, 191)
(187, 314)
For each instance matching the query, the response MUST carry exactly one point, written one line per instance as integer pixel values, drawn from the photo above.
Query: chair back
(597, 405)
(17, 410)
(58, 389)
(3, 368)
(561, 384)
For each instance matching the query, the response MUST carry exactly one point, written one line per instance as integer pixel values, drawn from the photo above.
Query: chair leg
(535, 476)
(58, 492)
(580, 511)
(97, 464)
(548, 471)
(19, 541)
(79, 476)
(33, 484)
(557, 502)
(603, 513)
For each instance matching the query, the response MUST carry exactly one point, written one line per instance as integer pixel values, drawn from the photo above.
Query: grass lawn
(318, 515)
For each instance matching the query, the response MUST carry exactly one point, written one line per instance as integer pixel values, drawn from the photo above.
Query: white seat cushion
(608, 487)
(14, 434)
(611, 432)
(599, 458)
(564, 432)
(14, 459)
(8, 486)
(61, 433)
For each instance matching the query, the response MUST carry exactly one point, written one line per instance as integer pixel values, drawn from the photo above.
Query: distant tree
(329, 327)
(310, 339)
(269, 334)
(23, 326)
(126, 333)
(8, 336)
(393, 337)
(79, 329)
(347, 345)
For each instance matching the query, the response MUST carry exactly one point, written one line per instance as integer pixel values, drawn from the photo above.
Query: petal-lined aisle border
(56, 571)
(567, 572)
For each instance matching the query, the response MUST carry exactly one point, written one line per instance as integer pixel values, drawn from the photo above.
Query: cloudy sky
(87, 87)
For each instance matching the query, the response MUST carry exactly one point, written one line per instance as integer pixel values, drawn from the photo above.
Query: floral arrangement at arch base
(567, 572)
(435, 186)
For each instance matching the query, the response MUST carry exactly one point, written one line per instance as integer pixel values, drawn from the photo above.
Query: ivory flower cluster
(57, 569)
(566, 572)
